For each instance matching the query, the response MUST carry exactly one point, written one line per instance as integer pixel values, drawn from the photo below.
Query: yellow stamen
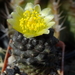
(32, 22)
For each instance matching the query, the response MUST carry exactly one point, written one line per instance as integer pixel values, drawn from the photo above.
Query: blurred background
(64, 17)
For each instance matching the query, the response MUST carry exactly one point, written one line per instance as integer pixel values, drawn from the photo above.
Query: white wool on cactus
(11, 60)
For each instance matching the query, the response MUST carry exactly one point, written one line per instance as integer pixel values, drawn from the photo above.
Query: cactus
(34, 45)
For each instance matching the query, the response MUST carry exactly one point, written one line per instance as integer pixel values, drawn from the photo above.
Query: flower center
(32, 22)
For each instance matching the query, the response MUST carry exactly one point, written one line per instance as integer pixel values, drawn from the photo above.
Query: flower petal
(16, 19)
(48, 18)
(28, 6)
(15, 25)
(28, 35)
(15, 15)
(50, 24)
(10, 21)
(18, 13)
(45, 12)
(37, 8)
(19, 10)
(44, 31)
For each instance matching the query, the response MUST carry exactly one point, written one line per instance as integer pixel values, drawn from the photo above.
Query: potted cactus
(33, 46)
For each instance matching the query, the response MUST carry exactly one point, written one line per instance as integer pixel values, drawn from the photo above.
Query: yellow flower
(32, 21)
